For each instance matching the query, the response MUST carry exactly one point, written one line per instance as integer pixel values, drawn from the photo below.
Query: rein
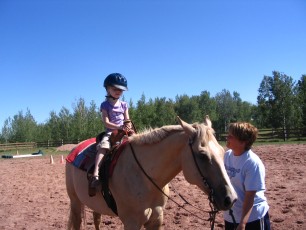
(212, 213)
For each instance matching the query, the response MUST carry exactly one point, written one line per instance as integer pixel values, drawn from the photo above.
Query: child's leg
(99, 157)
(102, 147)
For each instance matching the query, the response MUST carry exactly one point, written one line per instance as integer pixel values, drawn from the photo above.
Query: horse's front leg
(156, 220)
(151, 219)
(97, 219)
(134, 220)
(157, 216)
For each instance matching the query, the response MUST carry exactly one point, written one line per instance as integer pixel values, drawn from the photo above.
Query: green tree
(132, 110)
(94, 121)
(53, 126)
(65, 122)
(43, 133)
(7, 131)
(165, 113)
(243, 110)
(276, 101)
(207, 106)
(301, 100)
(144, 114)
(188, 108)
(280, 104)
(79, 118)
(226, 109)
(23, 127)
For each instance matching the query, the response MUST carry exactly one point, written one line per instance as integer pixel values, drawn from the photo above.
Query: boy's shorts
(104, 144)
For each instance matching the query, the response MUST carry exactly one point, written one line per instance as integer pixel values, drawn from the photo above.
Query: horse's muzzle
(228, 202)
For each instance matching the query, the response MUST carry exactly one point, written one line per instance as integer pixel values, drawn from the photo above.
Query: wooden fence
(33, 145)
(275, 135)
(16, 146)
(50, 144)
(265, 135)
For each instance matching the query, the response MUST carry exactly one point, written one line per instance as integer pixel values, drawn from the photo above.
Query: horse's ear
(187, 127)
(207, 121)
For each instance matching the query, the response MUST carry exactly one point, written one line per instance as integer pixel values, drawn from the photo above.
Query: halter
(212, 203)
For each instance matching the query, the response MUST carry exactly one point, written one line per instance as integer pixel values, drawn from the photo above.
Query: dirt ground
(33, 194)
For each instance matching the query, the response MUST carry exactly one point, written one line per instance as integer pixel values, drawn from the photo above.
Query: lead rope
(233, 218)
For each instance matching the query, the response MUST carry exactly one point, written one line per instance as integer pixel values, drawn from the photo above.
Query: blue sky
(53, 52)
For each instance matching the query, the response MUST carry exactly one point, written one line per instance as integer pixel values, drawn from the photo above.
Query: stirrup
(93, 183)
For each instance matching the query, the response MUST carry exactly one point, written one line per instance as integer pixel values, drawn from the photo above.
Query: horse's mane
(151, 136)
(206, 132)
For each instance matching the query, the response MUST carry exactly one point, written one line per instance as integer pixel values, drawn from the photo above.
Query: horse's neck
(167, 159)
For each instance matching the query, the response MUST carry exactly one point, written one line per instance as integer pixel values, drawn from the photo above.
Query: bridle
(212, 212)
(212, 203)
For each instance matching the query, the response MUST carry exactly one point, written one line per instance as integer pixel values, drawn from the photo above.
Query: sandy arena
(33, 194)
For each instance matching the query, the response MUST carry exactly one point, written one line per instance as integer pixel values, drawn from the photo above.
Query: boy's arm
(246, 208)
(126, 114)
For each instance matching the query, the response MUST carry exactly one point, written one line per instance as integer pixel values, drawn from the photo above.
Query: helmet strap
(110, 96)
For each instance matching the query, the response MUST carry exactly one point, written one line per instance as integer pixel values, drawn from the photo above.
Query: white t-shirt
(247, 173)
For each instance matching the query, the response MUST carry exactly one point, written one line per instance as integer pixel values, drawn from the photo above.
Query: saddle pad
(83, 155)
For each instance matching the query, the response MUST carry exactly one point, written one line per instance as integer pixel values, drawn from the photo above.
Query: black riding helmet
(116, 80)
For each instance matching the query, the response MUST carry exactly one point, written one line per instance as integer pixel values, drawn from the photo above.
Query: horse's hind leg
(76, 207)
(97, 220)
(75, 218)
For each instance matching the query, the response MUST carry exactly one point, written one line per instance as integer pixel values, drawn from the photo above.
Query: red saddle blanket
(84, 154)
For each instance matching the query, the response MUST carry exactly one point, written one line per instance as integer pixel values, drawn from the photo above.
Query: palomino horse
(153, 159)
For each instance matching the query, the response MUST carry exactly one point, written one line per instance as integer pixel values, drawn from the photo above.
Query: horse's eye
(204, 156)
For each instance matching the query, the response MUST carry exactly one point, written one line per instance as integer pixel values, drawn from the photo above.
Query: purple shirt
(115, 113)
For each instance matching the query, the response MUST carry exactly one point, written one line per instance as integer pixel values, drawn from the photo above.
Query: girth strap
(104, 179)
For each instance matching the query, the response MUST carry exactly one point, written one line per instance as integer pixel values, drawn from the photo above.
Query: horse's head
(203, 164)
